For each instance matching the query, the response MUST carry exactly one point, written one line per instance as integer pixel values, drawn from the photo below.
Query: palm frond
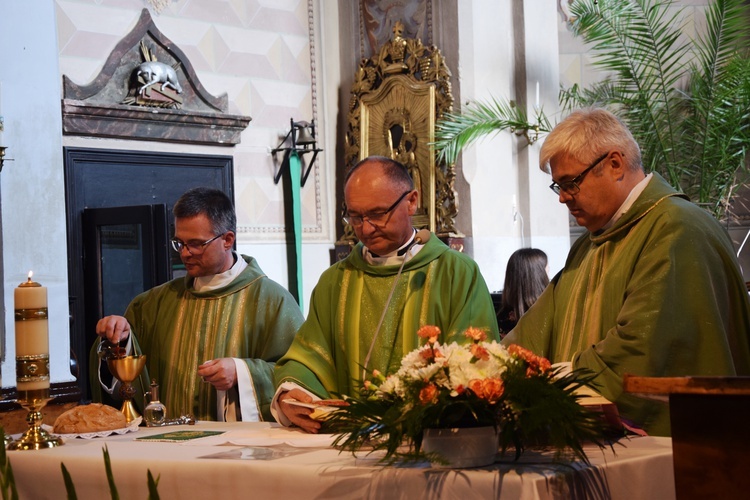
(456, 131)
(686, 101)
(637, 44)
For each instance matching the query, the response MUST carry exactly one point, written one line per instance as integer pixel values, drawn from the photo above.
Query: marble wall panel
(257, 52)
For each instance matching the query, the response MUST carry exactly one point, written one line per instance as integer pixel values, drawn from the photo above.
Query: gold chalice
(126, 370)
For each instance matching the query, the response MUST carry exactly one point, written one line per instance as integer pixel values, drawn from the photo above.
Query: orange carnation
(479, 352)
(493, 389)
(475, 386)
(429, 332)
(428, 394)
(476, 334)
(537, 364)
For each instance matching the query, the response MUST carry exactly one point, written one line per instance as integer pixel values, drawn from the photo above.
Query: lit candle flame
(31, 273)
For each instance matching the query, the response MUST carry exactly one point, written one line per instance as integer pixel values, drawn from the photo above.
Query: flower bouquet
(442, 386)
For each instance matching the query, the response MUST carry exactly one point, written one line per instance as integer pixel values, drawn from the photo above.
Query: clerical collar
(632, 196)
(215, 281)
(395, 257)
(405, 248)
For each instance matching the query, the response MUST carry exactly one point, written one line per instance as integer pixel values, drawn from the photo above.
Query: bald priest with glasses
(653, 288)
(366, 309)
(211, 338)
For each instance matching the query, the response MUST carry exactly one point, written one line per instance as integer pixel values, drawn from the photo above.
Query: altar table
(272, 462)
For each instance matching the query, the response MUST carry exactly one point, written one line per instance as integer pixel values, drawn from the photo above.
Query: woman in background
(525, 280)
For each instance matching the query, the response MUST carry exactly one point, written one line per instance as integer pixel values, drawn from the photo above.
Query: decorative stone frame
(105, 107)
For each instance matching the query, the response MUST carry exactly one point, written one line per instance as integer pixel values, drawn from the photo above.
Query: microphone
(422, 237)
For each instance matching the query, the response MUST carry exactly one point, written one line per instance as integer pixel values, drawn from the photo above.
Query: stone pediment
(148, 90)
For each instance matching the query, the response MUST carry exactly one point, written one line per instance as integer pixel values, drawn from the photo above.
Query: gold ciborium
(127, 369)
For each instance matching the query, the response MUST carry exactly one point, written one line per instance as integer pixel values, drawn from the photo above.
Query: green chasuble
(659, 294)
(253, 318)
(438, 286)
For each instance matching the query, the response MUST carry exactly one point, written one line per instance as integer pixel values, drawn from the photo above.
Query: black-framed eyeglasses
(193, 247)
(378, 219)
(573, 186)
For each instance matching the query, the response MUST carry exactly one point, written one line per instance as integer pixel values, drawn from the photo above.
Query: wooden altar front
(710, 432)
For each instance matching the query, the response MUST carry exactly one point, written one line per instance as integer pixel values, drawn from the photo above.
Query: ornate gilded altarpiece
(396, 98)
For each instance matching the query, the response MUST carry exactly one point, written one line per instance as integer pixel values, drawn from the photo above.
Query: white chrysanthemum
(463, 370)
(498, 350)
(452, 370)
(392, 385)
(413, 360)
(428, 372)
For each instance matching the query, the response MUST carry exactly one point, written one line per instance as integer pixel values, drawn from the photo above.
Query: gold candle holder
(35, 438)
(127, 369)
(32, 364)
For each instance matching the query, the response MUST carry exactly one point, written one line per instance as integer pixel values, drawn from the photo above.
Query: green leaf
(110, 477)
(69, 487)
(153, 492)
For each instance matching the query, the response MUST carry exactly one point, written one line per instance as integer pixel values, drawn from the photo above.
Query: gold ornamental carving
(396, 98)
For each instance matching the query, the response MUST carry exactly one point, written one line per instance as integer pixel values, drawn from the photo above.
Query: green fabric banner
(295, 175)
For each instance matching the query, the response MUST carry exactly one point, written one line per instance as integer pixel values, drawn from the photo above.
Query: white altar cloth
(263, 461)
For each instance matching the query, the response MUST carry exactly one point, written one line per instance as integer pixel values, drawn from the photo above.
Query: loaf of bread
(93, 417)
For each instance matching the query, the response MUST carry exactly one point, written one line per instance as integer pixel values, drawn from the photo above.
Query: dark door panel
(126, 249)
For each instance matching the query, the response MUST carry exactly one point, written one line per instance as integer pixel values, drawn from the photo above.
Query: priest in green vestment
(653, 288)
(366, 309)
(211, 338)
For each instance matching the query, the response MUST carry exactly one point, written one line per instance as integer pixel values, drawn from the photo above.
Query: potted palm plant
(686, 100)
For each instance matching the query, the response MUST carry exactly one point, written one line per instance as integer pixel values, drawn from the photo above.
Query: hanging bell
(305, 135)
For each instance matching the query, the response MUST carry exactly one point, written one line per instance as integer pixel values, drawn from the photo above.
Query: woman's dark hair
(525, 280)
(210, 202)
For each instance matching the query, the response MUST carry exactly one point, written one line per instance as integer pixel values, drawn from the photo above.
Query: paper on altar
(266, 436)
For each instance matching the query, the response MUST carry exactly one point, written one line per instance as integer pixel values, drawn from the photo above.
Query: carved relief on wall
(154, 83)
(146, 71)
(397, 96)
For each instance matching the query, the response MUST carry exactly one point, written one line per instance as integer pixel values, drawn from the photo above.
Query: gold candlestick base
(35, 438)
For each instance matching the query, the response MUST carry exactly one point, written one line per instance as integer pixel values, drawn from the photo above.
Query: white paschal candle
(32, 334)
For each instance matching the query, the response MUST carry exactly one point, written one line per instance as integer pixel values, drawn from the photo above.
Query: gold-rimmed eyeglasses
(377, 219)
(573, 186)
(193, 247)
